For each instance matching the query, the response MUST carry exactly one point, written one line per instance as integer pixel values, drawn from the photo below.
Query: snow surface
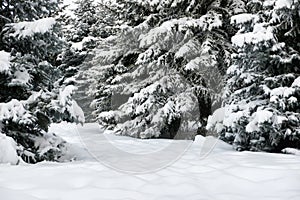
(200, 173)
(4, 61)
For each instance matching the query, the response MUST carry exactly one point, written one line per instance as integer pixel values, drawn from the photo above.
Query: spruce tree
(84, 25)
(262, 93)
(157, 78)
(31, 95)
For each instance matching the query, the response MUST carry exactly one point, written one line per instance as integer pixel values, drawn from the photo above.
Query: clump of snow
(193, 64)
(157, 33)
(21, 77)
(8, 152)
(291, 151)
(280, 119)
(15, 110)
(79, 45)
(210, 21)
(293, 99)
(24, 29)
(283, 4)
(66, 103)
(282, 91)
(215, 120)
(33, 97)
(268, 3)
(4, 61)
(258, 118)
(232, 69)
(262, 116)
(243, 18)
(231, 118)
(259, 34)
(296, 82)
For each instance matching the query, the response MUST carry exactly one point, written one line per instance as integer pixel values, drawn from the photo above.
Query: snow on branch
(4, 61)
(8, 153)
(15, 111)
(24, 29)
(243, 18)
(283, 4)
(65, 103)
(260, 34)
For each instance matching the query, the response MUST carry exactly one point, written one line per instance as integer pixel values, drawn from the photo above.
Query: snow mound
(8, 152)
(291, 151)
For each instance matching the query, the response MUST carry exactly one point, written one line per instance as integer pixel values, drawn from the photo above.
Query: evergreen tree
(163, 74)
(262, 91)
(88, 22)
(31, 95)
(84, 24)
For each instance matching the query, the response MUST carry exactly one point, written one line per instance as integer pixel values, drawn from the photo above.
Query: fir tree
(84, 25)
(262, 91)
(31, 95)
(156, 78)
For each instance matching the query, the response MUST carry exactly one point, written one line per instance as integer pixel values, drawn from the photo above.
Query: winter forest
(200, 98)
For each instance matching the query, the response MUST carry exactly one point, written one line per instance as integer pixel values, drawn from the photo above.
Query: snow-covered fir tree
(84, 24)
(87, 21)
(163, 75)
(262, 109)
(31, 93)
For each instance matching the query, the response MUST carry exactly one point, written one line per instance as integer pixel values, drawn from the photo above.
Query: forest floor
(129, 168)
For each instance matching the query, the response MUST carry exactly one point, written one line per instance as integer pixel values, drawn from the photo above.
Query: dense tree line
(174, 62)
(168, 69)
(162, 76)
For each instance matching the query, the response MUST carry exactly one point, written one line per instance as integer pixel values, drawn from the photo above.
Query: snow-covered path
(221, 174)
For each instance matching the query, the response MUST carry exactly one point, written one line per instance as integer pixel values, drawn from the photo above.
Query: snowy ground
(199, 172)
